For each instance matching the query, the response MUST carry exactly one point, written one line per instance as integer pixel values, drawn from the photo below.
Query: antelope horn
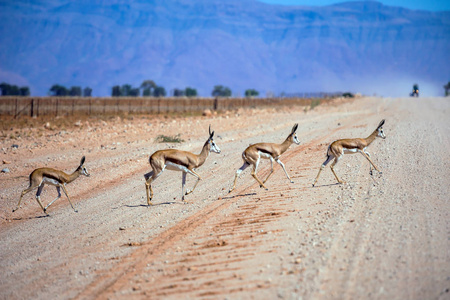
(211, 134)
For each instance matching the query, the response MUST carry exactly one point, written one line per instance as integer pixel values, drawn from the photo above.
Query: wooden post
(32, 108)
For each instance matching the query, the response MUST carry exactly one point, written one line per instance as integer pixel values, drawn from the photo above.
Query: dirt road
(385, 236)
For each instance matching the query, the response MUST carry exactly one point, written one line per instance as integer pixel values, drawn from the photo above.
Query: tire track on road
(137, 262)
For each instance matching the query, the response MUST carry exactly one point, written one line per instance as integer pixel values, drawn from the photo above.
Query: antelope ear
(294, 129)
(381, 123)
(82, 160)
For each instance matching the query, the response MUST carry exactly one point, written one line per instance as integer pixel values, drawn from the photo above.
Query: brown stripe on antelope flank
(263, 150)
(53, 176)
(176, 161)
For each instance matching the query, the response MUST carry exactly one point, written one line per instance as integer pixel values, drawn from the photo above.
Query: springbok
(57, 178)
(337, 149)
(255, 152)
(178, 160)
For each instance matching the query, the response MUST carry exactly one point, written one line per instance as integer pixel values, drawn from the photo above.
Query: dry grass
(169, 139)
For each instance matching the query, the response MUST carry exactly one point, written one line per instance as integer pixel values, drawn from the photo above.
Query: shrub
(169, 139)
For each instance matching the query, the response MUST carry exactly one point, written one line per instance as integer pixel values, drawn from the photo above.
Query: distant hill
(355, 46)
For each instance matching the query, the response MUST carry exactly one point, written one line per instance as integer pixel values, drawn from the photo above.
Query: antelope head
(380, 130)
(82, 169)
(213, 146)
(293, 135)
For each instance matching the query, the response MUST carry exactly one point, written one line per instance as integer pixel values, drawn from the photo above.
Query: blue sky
(432, 5)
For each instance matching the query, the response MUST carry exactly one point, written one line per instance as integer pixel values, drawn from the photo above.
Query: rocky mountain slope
(357, 46)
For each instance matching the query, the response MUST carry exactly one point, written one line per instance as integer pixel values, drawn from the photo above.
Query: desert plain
(380, 236)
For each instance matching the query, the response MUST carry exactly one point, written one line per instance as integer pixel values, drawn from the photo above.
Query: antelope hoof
(292, 181)
(75, 210)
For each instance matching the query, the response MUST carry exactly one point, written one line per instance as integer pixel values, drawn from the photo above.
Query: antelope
(253, 154)
(337, 149)
(178, 160)
(57, 178)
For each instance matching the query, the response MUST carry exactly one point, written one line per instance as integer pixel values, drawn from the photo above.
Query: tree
(13, 90)
(87, 92)
(134, 92)
(125, 90)
(159, 91)
(75, 91)
(24, 91)
(178, 93)
(190, 92)
(251, 93)
(221, 91)
(147, 86)
(146, 92)
(58, 90)
(6, 88)
(447, 89)
(115, 91)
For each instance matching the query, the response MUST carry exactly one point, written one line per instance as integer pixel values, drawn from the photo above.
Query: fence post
(32, 108)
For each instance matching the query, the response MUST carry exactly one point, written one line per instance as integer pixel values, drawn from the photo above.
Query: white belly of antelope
(175, 167)
(350, 151)
(49, 181)
(264, 155)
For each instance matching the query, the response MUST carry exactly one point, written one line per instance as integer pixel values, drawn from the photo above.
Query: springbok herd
(187, 162)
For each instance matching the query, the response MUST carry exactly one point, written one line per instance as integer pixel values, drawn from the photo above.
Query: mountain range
(364, 47)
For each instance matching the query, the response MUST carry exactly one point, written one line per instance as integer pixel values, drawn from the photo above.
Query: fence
(69, 106)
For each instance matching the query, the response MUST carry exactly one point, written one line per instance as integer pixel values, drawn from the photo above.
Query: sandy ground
(385, 236)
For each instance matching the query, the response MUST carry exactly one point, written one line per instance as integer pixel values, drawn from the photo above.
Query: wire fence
(71, 106)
